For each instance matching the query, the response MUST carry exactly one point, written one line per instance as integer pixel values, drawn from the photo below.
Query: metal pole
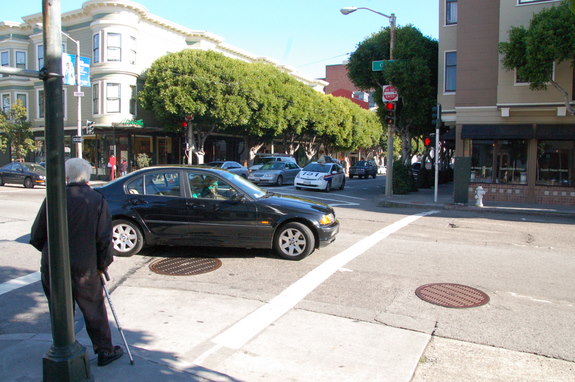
(79, 97)
(67, 359)
(436, 185)
(389, 169)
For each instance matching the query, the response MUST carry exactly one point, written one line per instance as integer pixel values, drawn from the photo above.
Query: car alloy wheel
(28, 183)
(294, 241)
(328, 187)
(126, 237)
(280, 181)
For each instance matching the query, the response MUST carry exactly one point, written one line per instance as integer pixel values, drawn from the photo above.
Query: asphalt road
(524, 263)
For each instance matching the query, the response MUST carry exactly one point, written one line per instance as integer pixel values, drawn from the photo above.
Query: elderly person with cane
(90, 241)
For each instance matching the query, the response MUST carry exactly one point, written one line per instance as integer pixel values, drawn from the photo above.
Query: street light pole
(390, 129)
(78, 93)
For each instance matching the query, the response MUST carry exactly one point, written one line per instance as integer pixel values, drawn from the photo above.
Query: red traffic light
(390, 106)
(427, 141)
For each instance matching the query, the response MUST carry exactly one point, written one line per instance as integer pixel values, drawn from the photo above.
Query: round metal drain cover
(452, 295)
(184, 266)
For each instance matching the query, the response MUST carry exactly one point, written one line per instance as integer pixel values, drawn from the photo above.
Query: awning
(555, 132)
(497, 132)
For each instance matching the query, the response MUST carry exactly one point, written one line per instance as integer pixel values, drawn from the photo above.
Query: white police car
(320, 176)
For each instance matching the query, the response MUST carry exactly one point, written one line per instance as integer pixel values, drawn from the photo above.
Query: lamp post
(389, 164)
(78, 93)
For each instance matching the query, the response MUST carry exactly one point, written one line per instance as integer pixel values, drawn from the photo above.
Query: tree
(532, 51)
(17, 132)
(413, 73)
(204, 85)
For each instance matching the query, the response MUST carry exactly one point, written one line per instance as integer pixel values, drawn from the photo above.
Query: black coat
(89, 231)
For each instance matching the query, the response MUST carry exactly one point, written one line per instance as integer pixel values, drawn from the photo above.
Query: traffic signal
(89, 127)
(429, 141)
(390, 113)
(436, 115)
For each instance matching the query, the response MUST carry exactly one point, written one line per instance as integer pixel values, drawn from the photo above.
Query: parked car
(25, 173)
(320, 176)
(231, 166)
(262, 159)
(363, 169)
(277, 173)
(200, 206)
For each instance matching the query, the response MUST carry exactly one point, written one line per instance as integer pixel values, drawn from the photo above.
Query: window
(112, 98)
(96, 48)
(22, 98)
(499, 161)
(96, 99)
(40, 56)
(4, 60)
(6, 102)
(450, 71)
(532, 1)
(133, 100)
(114, 47)
(161, 184)
(41, 103)
(132, 51)
(210, 187)
(556, 163)
(21, 59)
(450, 12)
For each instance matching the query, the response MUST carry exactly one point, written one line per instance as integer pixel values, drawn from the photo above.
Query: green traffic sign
(377, 66)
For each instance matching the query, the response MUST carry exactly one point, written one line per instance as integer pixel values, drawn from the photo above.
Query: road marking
(19, 282)
(247, 328)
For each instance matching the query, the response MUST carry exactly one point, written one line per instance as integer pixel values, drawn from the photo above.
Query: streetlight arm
(348, 10)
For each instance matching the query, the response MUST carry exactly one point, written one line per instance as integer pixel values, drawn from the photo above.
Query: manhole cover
(452, 295)
(184, 266)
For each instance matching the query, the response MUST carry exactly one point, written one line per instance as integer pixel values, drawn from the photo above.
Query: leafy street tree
(413, 73)
(17, 134)
(532, 51)
(204, 85)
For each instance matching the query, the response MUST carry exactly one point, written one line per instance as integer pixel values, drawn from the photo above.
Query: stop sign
(390, 93)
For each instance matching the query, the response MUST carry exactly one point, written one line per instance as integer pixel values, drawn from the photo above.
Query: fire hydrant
(479, 192)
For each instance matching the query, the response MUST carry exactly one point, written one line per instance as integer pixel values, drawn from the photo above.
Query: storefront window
(502, 161)
(555, 163)
(482, 161)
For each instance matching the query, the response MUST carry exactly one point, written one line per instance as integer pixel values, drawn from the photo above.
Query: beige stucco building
(521, 142)
(121, 39)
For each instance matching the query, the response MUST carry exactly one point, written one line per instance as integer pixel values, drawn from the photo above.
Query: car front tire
(280, 181)
(126, 238)
(327, 187)
(28, 183)
(1, 181)
(294, 241)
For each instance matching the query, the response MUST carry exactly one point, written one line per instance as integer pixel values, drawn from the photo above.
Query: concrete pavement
(171, 336)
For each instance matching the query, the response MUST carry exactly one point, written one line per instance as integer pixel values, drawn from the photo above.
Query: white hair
(78, 170)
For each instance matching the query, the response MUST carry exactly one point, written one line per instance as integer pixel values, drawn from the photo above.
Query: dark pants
(87, 292)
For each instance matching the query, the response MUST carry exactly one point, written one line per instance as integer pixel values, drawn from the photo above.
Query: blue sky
(304, 34)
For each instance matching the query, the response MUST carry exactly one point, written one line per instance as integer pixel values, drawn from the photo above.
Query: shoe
(105, 357)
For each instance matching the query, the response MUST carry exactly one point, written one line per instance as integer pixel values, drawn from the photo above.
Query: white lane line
(19, 282)
(251, 325)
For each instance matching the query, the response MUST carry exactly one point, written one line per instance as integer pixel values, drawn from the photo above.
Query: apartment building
(521, 142)
(121, 39)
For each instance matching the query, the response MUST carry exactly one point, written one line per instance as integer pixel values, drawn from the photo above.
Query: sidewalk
(425, 198)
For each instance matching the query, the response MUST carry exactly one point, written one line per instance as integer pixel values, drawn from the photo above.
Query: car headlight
(42, 177)
(327, 219)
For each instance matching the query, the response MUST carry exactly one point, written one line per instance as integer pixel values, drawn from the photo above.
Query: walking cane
(114, 314)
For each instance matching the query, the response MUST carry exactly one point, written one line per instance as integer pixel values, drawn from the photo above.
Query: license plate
(306, 182)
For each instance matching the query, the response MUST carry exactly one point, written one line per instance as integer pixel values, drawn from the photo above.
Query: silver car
(277, 173)
(231, 166)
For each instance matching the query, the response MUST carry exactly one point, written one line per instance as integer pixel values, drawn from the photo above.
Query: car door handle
(195, 205)
(137, 202)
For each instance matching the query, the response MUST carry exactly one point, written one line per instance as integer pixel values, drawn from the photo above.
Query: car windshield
(361, 163)
(273, 166)
(243, 184)
(264, 160)
(317, 167)
(35, 168)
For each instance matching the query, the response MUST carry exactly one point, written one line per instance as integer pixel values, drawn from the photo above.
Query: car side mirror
(334, 172)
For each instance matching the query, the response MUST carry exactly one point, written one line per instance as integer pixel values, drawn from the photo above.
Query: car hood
(288, 203)
(312, 175)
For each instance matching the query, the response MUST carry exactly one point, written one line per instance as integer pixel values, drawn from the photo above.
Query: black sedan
(199, 206)
(25, 173)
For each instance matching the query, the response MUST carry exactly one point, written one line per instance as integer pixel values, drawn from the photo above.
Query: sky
(306, 35)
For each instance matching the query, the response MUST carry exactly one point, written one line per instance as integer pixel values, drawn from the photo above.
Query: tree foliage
(17, 134)
(254, 100)
(550, 38)
(413, 72)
